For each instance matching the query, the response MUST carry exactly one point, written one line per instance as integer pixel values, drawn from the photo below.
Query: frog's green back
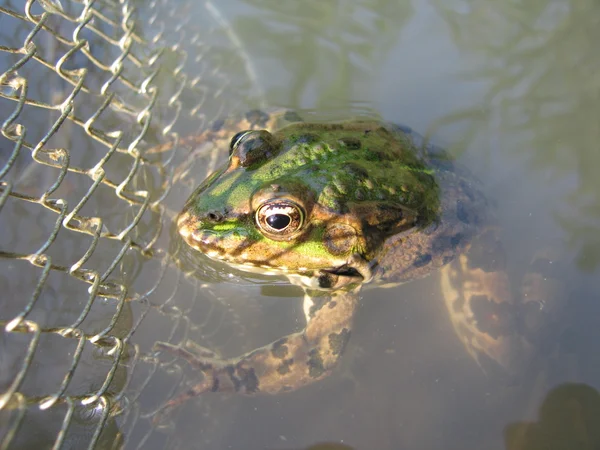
(312, 197)
(463, 213)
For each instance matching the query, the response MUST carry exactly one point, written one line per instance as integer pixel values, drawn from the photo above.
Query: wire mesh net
(94, 97)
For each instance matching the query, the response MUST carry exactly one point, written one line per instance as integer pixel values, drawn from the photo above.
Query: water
(511, 90)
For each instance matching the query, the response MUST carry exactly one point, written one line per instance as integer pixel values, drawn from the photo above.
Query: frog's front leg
(285, 365)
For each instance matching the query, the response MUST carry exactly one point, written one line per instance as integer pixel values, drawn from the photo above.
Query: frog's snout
(182, 219)
(189, 220)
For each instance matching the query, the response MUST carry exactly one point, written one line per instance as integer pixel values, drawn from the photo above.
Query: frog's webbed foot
(287, 364)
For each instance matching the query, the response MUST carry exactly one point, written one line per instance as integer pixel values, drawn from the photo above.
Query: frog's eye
(251, 148)
(279, 219)
(235, 140)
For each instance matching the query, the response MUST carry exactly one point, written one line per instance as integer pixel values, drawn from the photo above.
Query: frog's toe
(202, 352)
(194, 354)
(287, 364)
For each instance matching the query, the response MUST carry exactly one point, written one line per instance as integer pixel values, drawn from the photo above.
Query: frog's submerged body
(333, 206)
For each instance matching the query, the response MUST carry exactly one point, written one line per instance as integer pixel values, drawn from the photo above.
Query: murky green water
(513, 91)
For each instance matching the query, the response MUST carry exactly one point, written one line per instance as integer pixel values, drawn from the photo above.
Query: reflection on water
(513, 89)
(544, 87)
(320, 54)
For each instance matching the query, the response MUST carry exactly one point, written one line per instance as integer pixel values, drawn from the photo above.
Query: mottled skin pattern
(286, 364)
(354, 241)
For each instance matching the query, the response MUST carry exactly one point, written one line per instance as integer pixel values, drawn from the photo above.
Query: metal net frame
(94, 98)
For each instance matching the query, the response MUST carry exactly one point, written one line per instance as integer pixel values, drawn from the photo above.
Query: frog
(335, 207)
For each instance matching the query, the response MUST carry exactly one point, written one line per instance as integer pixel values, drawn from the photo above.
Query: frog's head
(311, 200)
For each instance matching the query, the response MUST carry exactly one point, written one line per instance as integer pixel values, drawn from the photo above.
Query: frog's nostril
(214, 217)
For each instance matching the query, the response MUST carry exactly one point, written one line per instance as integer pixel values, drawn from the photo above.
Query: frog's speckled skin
(363, 201)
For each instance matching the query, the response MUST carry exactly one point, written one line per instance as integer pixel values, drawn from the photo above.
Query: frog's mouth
(230, 246)
(331, 278)
(208, 242)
